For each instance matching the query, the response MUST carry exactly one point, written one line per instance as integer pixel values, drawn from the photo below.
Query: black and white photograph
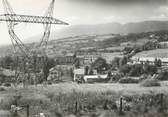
(83, 58)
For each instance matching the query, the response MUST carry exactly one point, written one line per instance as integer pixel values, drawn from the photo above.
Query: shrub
(50, 95)
(128, 80)
(136, 70)
(150, 83)
(35, 101)
(2, 89)
(116, 78)
(163, 76)
(7, 84)
(5, 113)
(125, 69)
(6, 103)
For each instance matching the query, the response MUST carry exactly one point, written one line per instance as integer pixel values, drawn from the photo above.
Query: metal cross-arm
(30, 19)
(13, 19)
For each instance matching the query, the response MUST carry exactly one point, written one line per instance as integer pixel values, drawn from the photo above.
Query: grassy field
(62, 98)
(162, 53)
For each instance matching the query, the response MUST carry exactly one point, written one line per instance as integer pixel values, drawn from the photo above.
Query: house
(54, 74)
(87, 58)
(67, 59)
(96, 78)
(150, 60)
(163, 44)
(78, 73)
(6, 75)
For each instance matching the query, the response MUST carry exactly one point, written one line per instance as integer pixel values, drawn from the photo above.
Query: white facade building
(78, 73)
(151, 60)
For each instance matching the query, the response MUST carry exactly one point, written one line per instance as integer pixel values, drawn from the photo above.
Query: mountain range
(102, 35)
(108, 28)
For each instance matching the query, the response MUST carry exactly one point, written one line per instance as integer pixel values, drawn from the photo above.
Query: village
(91, 65)
(104, 58)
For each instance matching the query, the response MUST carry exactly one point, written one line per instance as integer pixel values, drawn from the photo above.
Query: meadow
(158, 53)
(86, 100)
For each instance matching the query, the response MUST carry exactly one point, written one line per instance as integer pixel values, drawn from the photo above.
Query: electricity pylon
(12, 19)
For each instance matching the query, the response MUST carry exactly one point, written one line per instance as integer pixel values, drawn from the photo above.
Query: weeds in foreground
(92, 104)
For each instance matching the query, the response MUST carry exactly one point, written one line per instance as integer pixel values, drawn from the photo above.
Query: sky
(80, 12)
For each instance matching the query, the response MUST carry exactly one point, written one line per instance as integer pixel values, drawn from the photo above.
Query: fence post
(121, 104)
(16, 104)
(28, 111)
(105, 107)
(161, 102)
(76, 107)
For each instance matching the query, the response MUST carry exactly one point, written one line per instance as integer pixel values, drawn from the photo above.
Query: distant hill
(146, 26)
(99, 36)
(112, 28)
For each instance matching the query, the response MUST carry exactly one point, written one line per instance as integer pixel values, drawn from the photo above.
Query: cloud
(160, 13)
(113, 18)
(162, 9)
(124, 1)
(159, 17)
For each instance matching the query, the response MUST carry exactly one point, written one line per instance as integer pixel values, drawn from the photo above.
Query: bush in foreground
(150, 83)
(128, 80)
(7, 84)
(2, 89)
(163, 76)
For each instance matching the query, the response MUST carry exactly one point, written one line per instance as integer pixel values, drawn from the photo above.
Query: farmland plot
(158, 53)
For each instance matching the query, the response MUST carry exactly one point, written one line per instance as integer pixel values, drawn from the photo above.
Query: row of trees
(21, 65)
(100, 65)
(119, 62)
(132, 37)
(150, 45)
(138, 70)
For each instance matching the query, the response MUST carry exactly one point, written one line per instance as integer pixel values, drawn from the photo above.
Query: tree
(146, 67)
(136, 70)
(86, 70)
(48, 64)
(158, 63)
(71, 73)
(91, 72)
(123, 61)
(125, 69)
(155, 62)
(64, 52)
(127, 50)
(77, 63)
(149, 69)
(100, 65)
(7, 62)
(152, 69)
(115, 62)
(163, 75)
(109, 74)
